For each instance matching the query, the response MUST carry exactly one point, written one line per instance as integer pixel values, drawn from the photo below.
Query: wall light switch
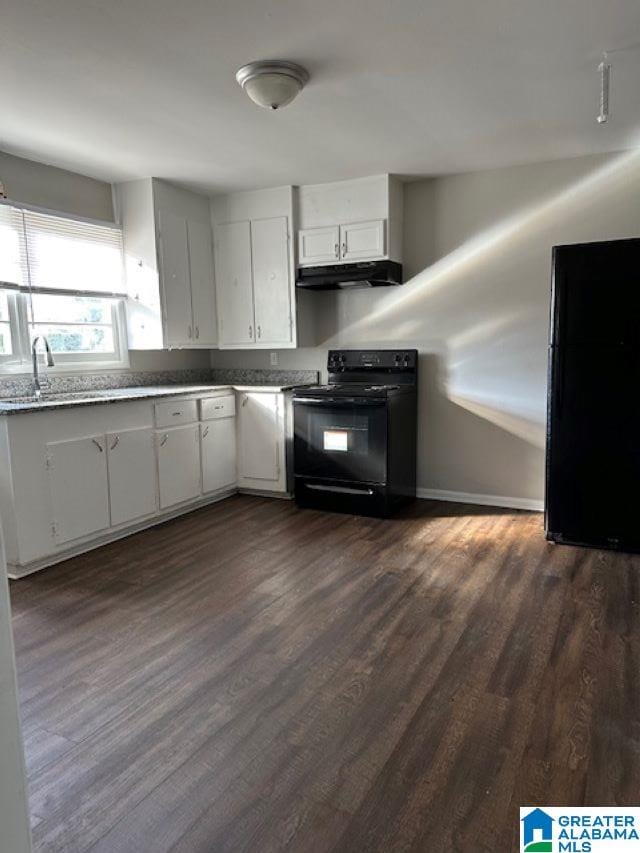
(273, 358)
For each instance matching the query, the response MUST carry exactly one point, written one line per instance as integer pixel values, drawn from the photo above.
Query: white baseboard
(482, 500)
(16, 571)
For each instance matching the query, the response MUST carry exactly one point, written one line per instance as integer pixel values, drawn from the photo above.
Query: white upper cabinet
(203, 294)
(176, 285)
(234, 284)
(356, 241)
(271, 284)
(362, 240)
(350, 221)
(255, 273)
(168, 264)
(317, 246)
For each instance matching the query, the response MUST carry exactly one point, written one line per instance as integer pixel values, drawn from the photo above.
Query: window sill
(23, 369)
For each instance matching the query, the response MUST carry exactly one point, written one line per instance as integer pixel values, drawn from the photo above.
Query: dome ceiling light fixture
(272, 83)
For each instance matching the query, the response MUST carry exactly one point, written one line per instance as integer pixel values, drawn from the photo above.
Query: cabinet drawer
(217, 407)
(176, 412)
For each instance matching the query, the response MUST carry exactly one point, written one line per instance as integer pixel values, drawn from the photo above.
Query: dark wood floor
(256, 677)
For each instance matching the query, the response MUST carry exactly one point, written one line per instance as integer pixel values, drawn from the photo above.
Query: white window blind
(12, 255)
(52, 254)
(63, 278)
(67, 255)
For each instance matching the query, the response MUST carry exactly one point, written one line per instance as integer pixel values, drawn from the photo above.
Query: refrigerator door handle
(560, 379)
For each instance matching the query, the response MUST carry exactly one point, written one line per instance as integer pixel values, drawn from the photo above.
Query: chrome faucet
(37, 390)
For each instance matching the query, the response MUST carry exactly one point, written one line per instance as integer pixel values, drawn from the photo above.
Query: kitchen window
(62, 278)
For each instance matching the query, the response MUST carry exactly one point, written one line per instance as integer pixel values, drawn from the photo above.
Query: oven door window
(341, 440)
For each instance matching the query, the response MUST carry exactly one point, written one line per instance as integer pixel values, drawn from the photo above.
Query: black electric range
(355, 438)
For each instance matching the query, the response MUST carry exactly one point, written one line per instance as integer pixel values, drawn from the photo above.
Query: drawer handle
(164, 439)
(218, 407)
(176, 414)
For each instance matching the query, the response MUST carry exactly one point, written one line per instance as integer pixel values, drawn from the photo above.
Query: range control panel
(379, 359)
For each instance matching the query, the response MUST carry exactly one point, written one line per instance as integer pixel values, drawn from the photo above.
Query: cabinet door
(218, 443)
(174, 265)
(234, 288)
(79, 487)
(203, 294)
(260, 435)
(361, 241)
(271, 284)
(132, 475)
(178, 464)
(318, 245)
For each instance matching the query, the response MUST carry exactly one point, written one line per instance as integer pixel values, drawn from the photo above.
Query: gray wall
(477, 260)
(34, 183)
(28, 182)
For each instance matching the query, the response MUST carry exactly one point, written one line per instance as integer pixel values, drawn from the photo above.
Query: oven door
(341, 438)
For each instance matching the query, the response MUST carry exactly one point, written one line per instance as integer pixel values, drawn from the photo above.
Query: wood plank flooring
(255, 677)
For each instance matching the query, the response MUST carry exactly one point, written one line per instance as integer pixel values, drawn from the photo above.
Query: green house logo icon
(537, 832)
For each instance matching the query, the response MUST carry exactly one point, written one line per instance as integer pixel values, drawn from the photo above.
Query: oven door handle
(351, 401)
(341, 490)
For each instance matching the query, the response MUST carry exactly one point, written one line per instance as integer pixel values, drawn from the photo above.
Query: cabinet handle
(251, 332)
(205, 432)
(336, 250)
(115, 443)
(98, 445)
(164, 439)
(197, 332)
(344, 250)
(189, 331)
(259, 331)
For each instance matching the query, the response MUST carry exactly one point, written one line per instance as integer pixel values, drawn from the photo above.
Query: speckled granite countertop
(90, 397)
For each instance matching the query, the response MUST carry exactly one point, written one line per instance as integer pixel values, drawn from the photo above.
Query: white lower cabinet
(74, 478)
(132, 475)
(218, 447)
(79, 487)
(179, 472)
(261, 441)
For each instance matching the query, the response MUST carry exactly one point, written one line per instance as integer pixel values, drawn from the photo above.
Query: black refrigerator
(593, 409)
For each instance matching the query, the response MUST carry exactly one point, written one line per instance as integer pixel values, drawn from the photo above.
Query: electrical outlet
(273, 358)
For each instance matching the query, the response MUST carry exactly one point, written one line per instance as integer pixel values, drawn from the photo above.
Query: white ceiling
(121, 89)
